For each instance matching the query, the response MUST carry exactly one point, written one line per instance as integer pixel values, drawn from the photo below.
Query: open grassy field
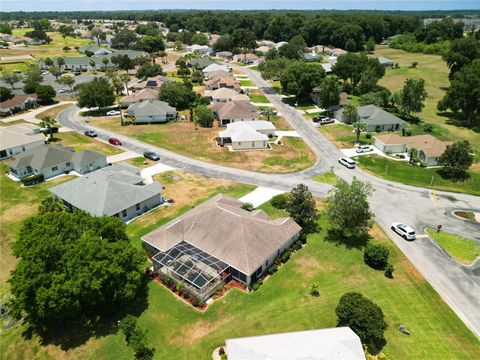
(400, 171)
(283, 303)
(185, 138)
(435, 72)
(80, 142)
(257, 97)
(54, 49)
(465, 251)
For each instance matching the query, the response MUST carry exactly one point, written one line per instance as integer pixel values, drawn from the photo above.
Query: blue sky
(69, 5)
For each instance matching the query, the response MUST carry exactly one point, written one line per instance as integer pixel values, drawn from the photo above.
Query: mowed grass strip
(53, 112)
(400, 171)
(190, 140)
(327, 178)
(465, 251)
(81, 142)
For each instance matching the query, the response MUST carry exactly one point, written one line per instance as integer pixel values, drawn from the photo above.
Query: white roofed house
(247, 135)
(215, 67)
(18, 138)
(223, 95)
(118, 190)
(152, 111)
(201, 49)
(339, 343)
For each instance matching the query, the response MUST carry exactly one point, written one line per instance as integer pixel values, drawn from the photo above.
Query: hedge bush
(33, 179)
(279, 201)
(376, 256)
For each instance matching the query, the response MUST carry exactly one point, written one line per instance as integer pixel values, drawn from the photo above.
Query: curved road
(391, 202)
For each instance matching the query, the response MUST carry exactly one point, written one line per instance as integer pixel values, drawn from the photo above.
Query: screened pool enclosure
(201, 273)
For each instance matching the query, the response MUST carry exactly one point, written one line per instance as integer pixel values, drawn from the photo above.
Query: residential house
(327, 68)
(266, 43)
(247, 135)
(339, 52)
(263, 49)
(332, 60)
(339, 343)
(94, 49)
(118, 190)
(246, 58)
(322, 49)
(18, 103)
(18, 138)
(215, 67)
(234, 111)
(201, 63)
(151, 112)
(429, 148)
(385, 61)
(225, 55)
(154, 82)
(280, 44)
(34, 42)
(53, 160)
(222, 81)
(141, 95)
(376, 118)
(200, 49)
(310, 57)
(343, 99)
(225, 95)
(217, 241)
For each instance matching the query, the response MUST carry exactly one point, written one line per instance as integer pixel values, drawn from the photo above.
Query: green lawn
(258, 98)
(299, 104)
(246, 83)
(283, 303)
(327, 178)
(463, 250)
(435, 72)
(342, 135)
(400, 171)
(81, 142)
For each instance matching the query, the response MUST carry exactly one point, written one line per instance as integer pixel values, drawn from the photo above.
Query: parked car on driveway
(151, 155)
(62, 90)
(113, 113)
(364, 149)
(404, 231)
(90, 133)
(323, 120)
(115, 141)
(347, 162)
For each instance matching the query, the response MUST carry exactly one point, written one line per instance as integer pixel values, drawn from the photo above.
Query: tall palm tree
(92, 64)
(118, 86)
(350, 112)
(359, 126)
(48, 123)
(268, 112)
(413, 152)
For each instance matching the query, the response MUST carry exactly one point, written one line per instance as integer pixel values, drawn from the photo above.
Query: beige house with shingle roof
(142, 95)
(216, 241)
(429, 148)
(234, 111)
(18, 138)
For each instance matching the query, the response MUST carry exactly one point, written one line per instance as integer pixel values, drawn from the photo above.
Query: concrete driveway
(260, 196)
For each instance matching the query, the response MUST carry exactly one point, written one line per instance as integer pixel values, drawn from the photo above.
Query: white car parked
(363, 149)
(62, 90)
(347, 162)
(113, 113)
(404, 231)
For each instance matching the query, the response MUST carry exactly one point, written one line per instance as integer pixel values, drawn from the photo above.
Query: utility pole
(431, 182)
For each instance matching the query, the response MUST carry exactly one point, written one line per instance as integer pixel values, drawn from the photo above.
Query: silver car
(347, 162)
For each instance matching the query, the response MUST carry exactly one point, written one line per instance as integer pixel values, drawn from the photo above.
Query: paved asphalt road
(391, 202)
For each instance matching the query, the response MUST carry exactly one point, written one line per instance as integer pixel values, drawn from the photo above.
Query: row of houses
(18, 103)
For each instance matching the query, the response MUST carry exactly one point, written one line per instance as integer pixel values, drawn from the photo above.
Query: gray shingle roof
(42, 157)
(221, 228)
(107, 191)
(150, 108)
(373, 115)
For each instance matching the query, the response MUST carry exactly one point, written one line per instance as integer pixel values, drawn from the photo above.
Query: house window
(253, 143)
(124, 213)
(54, 168)
(137, 207)
(23, 148)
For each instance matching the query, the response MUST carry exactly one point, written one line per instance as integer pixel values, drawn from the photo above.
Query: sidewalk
(260, 196)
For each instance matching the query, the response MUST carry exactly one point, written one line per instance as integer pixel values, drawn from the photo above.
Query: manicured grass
(468, 215)
(273, 212)
(262, 99)
(299, 104)
(400, 171)
(81, 142)
(435, 72)
(186, 139)
(462, 250)
(282, 304)
(53, 112)
(246, 83)
(327, 178)
(342, 135)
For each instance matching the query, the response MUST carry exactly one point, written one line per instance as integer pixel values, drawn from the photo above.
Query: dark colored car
(46, 130)
(90, 133)
(151, 155)
(114, 141)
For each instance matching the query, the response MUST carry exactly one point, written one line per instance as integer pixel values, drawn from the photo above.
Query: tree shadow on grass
(456, 120)
(358, 241)
(76, 332)
(453, 177)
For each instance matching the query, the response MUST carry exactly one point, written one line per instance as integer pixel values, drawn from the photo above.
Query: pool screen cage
(201, 273)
